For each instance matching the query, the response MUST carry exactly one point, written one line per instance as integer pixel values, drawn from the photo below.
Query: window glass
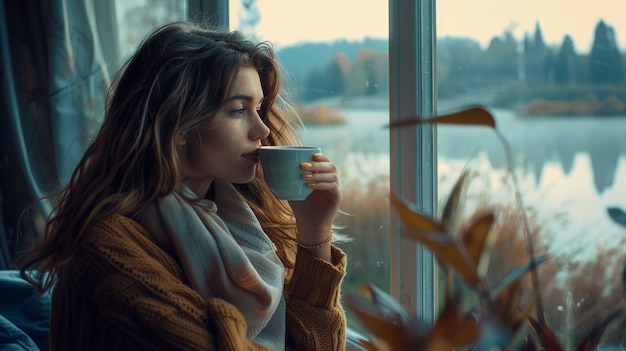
(553, 75)
(336, 55)
(135, 18)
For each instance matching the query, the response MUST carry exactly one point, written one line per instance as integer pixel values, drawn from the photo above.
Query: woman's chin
(241, 180)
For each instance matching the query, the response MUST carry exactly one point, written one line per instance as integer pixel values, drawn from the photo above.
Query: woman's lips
(253, 155)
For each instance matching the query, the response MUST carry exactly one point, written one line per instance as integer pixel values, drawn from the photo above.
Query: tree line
(510, 72)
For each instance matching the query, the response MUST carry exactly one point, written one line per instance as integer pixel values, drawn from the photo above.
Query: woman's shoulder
(117, 236)
(116, 226)
(117, 222)
(118, 230)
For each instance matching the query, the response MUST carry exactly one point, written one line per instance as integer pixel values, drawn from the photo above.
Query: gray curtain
(54, 82)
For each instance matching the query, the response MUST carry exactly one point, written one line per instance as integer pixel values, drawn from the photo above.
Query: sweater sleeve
(315, 318)
(138, 288)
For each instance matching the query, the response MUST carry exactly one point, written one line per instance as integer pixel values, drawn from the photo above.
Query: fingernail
(306, 165)
(307, 176)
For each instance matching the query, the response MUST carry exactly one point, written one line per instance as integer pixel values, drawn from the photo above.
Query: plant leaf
(518, 272)
(550, 341)
(452, 207)
(475, 238)
(368, 345)
(359, 340)
(414, 219)
(617, 214)
(453, 329)
(380, 325)
(507, 301)
(507, 306)
(390, 325)
(432, 235)
(472, 115)
(590, 342)
(385, 303)
(528, 345)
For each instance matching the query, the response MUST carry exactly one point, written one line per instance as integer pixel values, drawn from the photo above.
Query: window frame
(412, 41)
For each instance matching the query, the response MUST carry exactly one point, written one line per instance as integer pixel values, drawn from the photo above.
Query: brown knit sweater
(124, 293)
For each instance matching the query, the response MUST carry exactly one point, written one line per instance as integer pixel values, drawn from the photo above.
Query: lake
(568, 168)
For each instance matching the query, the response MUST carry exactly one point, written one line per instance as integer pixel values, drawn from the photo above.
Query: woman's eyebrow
(244, 97)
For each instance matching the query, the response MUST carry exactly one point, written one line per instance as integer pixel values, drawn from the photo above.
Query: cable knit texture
(122, 292)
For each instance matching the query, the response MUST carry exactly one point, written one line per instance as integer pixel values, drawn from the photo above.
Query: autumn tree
(358, 80)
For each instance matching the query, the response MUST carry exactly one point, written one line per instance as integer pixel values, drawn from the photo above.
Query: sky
(286, 22)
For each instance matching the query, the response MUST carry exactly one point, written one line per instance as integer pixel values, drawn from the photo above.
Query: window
(136, 18)
(557, 91)
(338, 69)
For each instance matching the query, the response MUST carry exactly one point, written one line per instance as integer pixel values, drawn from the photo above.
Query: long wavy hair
(178, 78)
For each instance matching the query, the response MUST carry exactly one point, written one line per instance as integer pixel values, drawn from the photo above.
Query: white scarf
(225, 254)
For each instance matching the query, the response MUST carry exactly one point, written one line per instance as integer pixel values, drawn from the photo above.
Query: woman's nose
(260, 130)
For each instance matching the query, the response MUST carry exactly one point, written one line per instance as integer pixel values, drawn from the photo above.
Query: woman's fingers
(320, 170)
(320, 177)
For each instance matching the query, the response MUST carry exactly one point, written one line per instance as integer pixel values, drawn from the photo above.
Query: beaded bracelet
(316, 246)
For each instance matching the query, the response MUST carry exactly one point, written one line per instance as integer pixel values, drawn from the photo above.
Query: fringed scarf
(225, 254)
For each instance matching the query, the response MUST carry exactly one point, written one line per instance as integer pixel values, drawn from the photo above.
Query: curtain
(53, 86)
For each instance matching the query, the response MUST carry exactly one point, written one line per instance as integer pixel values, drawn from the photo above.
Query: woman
(167, 237)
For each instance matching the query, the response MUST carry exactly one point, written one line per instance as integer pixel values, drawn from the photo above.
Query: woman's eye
(239, 111)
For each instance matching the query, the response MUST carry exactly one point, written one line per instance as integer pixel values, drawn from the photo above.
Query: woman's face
(228, 143)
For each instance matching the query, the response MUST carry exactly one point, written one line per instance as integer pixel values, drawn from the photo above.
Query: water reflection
(571, 169)
(604, 165)
(538, 140)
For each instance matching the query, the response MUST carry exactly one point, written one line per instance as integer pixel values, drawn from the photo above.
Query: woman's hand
(315, 215)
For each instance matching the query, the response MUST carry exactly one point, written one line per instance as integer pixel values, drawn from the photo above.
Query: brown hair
(178, 78)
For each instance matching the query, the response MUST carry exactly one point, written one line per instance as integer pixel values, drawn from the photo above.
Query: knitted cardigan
(123, 292)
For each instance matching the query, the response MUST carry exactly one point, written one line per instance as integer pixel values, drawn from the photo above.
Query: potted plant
(506, 315)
